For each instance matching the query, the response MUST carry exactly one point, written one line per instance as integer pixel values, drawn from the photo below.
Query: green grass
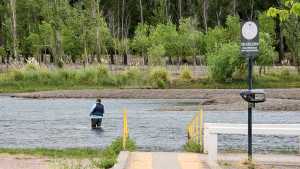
(193, 147)
(30, 79)
(102, 159)
(80, 153)
(41, 79)
(265, 81)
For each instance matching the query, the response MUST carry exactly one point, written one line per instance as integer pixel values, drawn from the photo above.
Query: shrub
(134, 77)
(159, 77)
(285, 73)
(104, 77)
(192, 146)
(267, 54)
(107, 163)
(17, 75)
(121, 79)
(87, 76)
(156, 54)
(117, 145)
(111, 152)
(32, 75)
(186, 73)
(141, 41)
(31, 67)
(130, 77)
(233, 28)
(66, 75)
(102, 70)
(223, 62)
(215, 38)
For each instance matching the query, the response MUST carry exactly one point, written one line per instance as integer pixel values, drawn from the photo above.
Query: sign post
(250, 48)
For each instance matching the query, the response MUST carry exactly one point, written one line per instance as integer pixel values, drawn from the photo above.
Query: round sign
(249, 30)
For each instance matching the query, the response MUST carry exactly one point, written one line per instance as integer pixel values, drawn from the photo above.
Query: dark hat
(98, 100)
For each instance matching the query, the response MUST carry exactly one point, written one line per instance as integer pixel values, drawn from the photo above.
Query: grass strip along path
(71, 158)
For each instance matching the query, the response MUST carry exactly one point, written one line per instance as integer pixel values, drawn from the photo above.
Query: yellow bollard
(125, 129)
(201, 127)
(197, 127)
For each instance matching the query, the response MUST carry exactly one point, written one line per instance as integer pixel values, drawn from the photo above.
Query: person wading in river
(96, 114)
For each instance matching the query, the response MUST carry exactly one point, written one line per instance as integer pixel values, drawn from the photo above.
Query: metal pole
(250, 84)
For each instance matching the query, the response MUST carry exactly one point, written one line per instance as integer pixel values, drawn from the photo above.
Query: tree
(14, 27)
(46, 36)
(98, 21)
(267, 24)
(223, 62)
(189, 39)
(267, 52)
(141, 41)
(233, 29)
(71, 43)
(33, 45)
(289, 16)
(58, 11)
(167, 36)
(2, 33)
(2, 54)
(121, 46)
(141, 11)
(214, 39)
(161, 14)
(156, 54)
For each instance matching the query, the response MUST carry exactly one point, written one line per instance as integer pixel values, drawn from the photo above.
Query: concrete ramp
(163, 160)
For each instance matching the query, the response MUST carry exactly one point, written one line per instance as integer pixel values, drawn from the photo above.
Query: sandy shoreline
(211, 99)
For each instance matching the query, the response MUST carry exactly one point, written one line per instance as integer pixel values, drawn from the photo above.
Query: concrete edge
(122, 160)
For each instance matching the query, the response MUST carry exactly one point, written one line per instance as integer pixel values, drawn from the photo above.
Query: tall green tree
(289, 15)
(141, 41)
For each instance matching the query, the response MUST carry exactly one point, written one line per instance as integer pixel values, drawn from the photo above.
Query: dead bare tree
(141, 12)
(180, 8)
(205, 15)
(14, 28)
(234, 5)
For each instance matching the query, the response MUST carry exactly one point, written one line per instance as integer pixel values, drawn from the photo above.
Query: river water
(64, 123)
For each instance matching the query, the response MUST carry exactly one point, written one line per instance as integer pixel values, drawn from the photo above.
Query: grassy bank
(38, 78)
(264, 81)
(101, 159)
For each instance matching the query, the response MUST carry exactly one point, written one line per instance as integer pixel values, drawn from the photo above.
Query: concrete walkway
(159, 160)
(272, 159)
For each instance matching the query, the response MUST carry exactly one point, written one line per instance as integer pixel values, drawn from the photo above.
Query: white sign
(249, 30)
(249, 38)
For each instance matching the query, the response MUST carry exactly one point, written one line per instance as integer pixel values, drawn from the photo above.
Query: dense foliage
(289, 16)
(159, 31)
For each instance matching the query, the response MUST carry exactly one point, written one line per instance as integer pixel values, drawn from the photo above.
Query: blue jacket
(97, 110)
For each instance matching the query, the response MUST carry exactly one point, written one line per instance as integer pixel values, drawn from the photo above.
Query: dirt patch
(232, 165)
(23, 162)
(211, 99)
(32, 162)
(261, 161)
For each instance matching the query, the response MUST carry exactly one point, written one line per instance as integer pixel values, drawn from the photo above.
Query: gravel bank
(211, 99)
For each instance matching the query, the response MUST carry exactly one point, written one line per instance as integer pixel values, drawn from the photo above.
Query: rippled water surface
(61, 123)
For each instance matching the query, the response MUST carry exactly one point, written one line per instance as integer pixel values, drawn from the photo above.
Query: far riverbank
(211, 99)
